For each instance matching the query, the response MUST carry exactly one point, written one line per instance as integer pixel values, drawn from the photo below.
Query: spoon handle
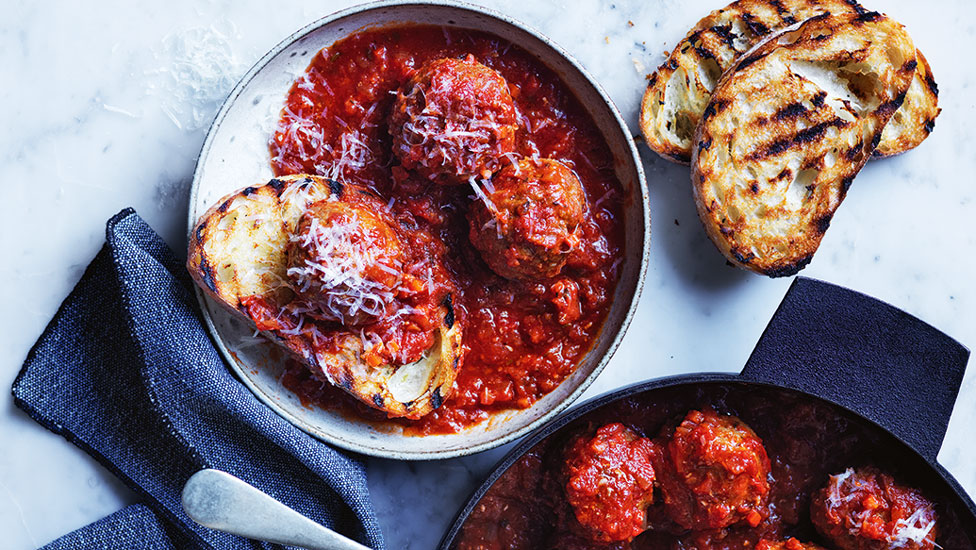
(221, 501)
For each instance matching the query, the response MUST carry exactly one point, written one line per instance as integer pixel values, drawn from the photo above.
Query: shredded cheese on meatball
(915, 529)
(339, 264)
(480, 194)
(456, 139)
(837, 483)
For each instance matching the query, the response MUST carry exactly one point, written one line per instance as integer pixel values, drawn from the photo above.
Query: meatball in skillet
(714, 472)
(610, 482)
(865, 509)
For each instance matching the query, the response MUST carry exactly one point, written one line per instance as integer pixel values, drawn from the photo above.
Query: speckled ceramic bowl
(235, 155)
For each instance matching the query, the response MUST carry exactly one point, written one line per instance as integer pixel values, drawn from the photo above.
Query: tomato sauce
(521, 339)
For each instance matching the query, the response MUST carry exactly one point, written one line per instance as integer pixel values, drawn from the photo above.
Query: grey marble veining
(98, 115)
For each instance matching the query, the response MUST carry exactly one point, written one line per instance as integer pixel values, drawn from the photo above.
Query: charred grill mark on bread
(868, 16)
(208, 275)
(277, 185)
(725, 33)
(749, 61)
(823, 222)
(932, 86)
(788, 270)
(798, 140)
(791, 110)
(846, 183)
(449, 314)
(678, 92)
(336, 188)
(755, 25)
(804, 115)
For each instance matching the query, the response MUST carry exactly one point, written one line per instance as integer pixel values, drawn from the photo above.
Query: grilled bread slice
(678, 91)
(915, 119)
(237, 255)
(786, 130)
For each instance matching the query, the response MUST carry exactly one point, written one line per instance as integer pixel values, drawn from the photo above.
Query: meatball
(714, 473)
(866, 510)
(344, 262)
(528, 223)
(453, 121)
(610, 482)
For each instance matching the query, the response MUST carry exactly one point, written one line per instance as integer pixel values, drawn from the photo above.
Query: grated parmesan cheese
(450, 139)
(197, 69)
(338, 263)
(480, 193)
(915, 529)
(837, 482)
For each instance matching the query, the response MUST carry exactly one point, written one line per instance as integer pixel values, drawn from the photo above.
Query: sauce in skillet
(806, 441)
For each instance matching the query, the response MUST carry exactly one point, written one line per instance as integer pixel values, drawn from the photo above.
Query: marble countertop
(105, 105)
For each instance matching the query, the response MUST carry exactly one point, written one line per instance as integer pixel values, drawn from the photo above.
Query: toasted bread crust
(788, 128)
(915, 119)
(237, 250)
(679, 90)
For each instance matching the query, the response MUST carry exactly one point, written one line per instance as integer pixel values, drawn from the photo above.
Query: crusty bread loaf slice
(788, 128)
(915, 119)
(678, 91)
(238, 251)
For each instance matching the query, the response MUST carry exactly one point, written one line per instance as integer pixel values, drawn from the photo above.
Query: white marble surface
(98, 114)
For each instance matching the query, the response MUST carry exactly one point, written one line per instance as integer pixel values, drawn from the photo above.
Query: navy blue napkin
(127, 372)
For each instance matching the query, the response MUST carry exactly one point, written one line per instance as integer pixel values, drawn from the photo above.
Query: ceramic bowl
(235, 154)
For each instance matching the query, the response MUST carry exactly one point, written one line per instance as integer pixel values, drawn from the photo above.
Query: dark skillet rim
(591, 405)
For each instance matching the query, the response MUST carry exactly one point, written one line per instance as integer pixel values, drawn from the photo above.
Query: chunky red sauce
(806, 442)
(520, 339)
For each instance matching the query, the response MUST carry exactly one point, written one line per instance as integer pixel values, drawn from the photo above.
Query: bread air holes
(733, 213)
(718, 193)
(800, 188)
(743, 39)
(852, 88)
(229, 221)
(789, 38)
(709, 73)
(677, 105)
(896, 55)
(829, 159)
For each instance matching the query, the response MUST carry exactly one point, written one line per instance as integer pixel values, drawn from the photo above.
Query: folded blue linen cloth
(127, 372)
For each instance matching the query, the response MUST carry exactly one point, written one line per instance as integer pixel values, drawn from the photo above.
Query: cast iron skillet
(890, 378)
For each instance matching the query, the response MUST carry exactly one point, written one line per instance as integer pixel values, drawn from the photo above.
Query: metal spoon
(220, 501)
